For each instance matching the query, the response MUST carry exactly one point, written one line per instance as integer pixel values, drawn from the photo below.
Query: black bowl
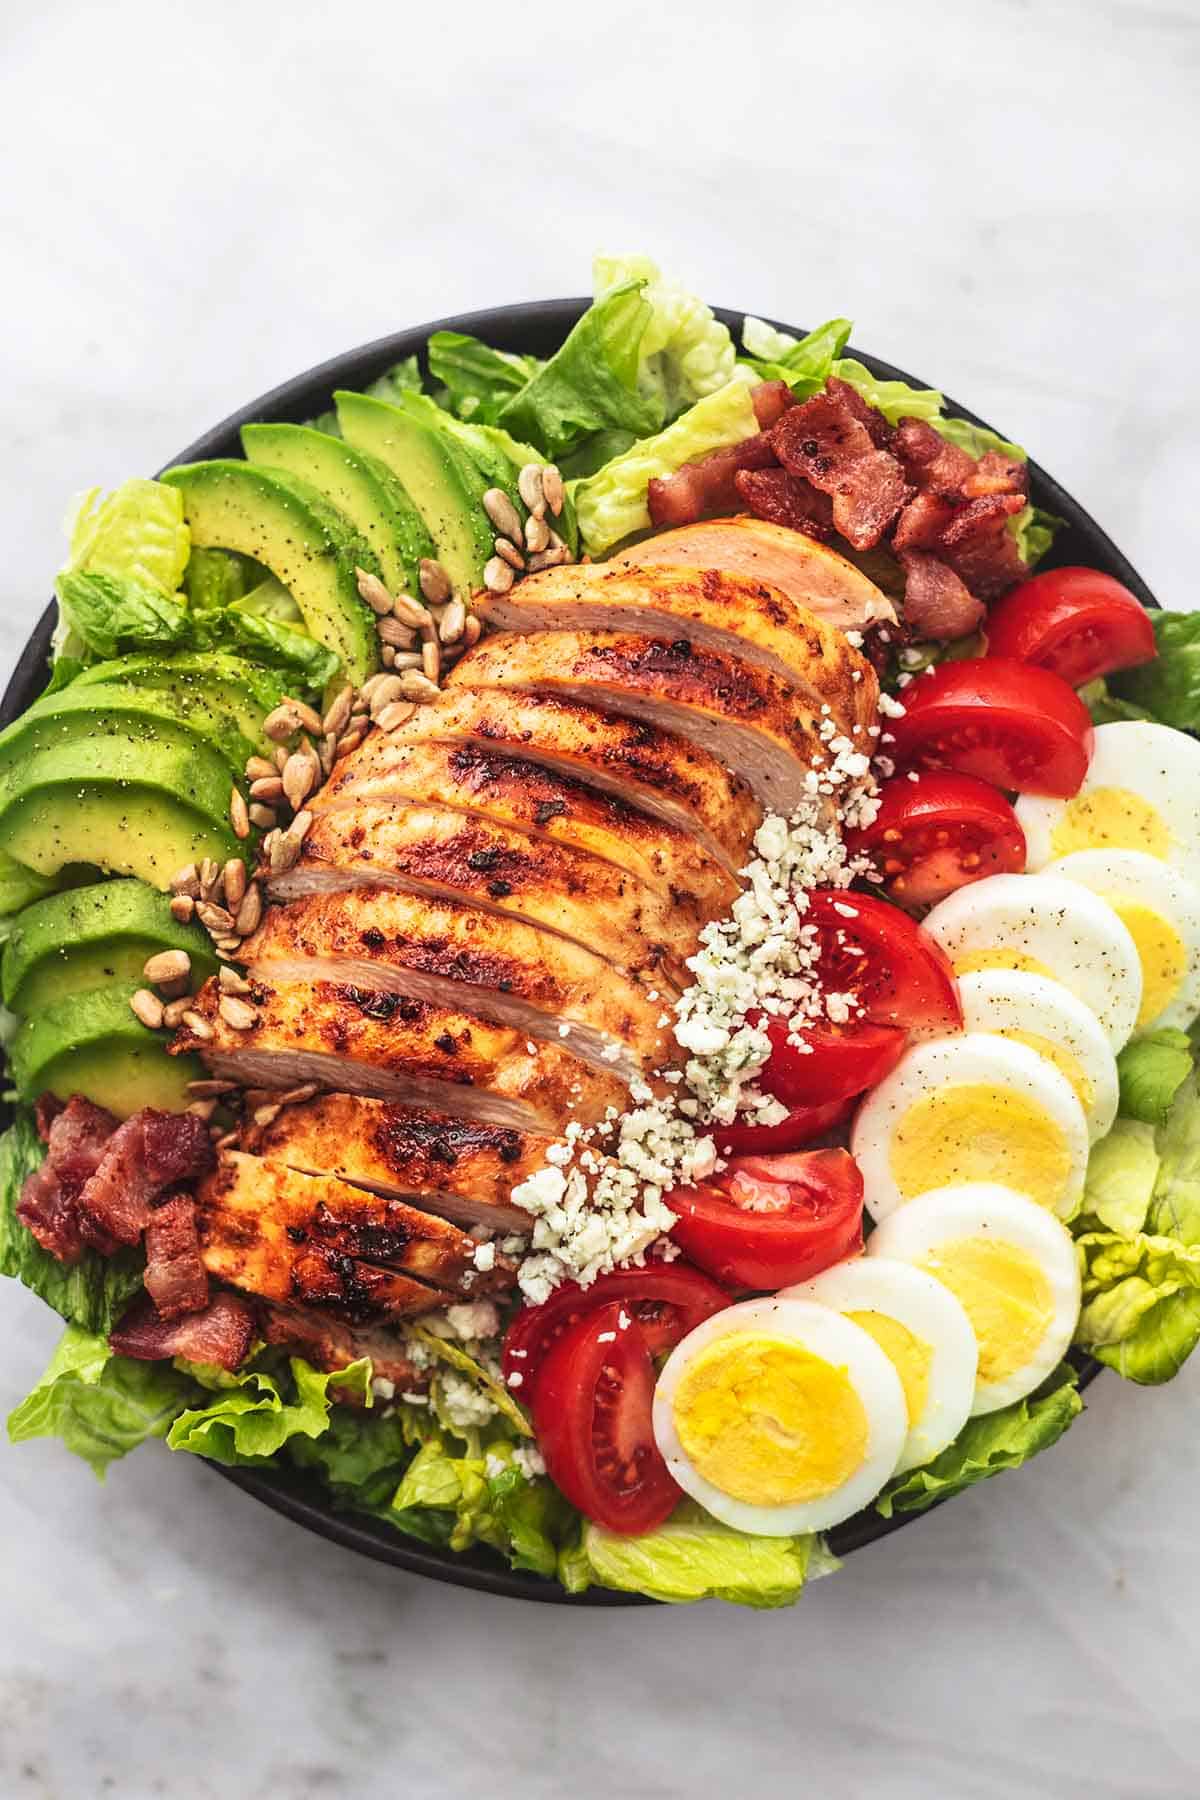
(536, 327)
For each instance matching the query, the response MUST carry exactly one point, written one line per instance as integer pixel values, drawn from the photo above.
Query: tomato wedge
(666, 1301)
(592, 1415)
(766, 1221)
(937, 834)
(838, 1061)
(1076, 622)
(803, 1125)
(892, 970)
(1011, 723)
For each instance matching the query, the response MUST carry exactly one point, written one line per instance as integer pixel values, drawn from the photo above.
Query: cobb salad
(594, 961)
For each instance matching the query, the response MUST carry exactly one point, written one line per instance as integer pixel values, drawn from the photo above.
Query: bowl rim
(535, 326)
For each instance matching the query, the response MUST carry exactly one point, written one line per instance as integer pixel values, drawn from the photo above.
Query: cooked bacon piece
(782, 498)
(48, 1212)
(870, 493)
(981, 549)
(820, 439)
(929, 461)
(997, 474)
(706, 486)
(76, 1136)
(149, 1153)
(175, 1276)
(770, 399)
(936, 604)
(922, 522)
(221, 1334)
(331, 1344)
(46, 1109)
(881, 432)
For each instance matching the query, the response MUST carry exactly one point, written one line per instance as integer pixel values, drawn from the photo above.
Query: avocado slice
(19, 886)
(91, 1044)
(91, 743)
(443, 481)
(359, 485)
(110, 707)
(241, 690)
(291, 529)
(92, 937)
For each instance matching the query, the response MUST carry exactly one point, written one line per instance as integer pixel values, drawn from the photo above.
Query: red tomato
(767, 1221)
(841, 1060)
(592, 1416)
(939, 833)
(895, 972)
(1010, 723)
(666, 1300)
(802, 1126)
(1076, 622)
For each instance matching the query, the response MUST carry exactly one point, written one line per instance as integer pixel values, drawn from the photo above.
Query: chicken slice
(400, 945)
(708, 608)
(809, 573)
(743, 715)
(656, 773)
(459, 1168)
(331, 1344)
(362, 1041)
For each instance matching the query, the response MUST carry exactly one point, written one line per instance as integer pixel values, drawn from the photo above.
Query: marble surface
(200, 202)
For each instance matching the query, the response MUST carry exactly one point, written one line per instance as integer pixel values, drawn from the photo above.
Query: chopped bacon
(820, 439)
(981, 549)
(996, 474)
(149, 1153)
(329, 1343)
(76, 1136)
(936, 603)
(785, 499)
(176, 1279)
(707, 486)
(881, 432)
(770, 399)
(929, 461)
(869, 494)
(46, 1110)
(221, 1334)
(922, 522)
(49, 1213)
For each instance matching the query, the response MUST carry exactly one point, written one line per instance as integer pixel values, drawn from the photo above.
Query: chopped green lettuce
(1035, 531)
(977, 440)
(1105, 706)
(1175, 1209)
(988, 1445)
(612, 503)
(214, 579)
(362, 1455)
(1121, 1175)
(108, 614)
(1152, 1069)
(477, 381)
(482, 1497)
(1168, 689)
(590, 383)
(403, 377)
(691, 1557)
(1141, 1303)
(685, 351)
(804, 363)
(137, 533)
(896, 400)
(100, 1405)
(250, 1421)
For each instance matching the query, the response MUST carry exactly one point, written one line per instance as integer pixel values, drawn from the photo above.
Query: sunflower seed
(236, 1013)
(231, 982)
(367, 691)
(147, 1008)
(406, 659)
(258, 769)
(202, 1109)
(352, 741)
(214, 918)
(453, 619)
(211, 1090)
(267, 790)
(176, 1012)
(418, 687)
(384, 692)
(501, 511)
(410, 612)
(198, 1025)
(281, 756)
(249, 914)
(435, 583)
(338, 716)
(182, 908)
(508, 552)
(210, 874)
(537, 534)
(167, 966)
(395, 715)
(228, 946)
(283, 723)
(187, 881)
(297, 1096)
(498, 576)
(552, 487)
(239, 817)
(264, 817)
(397, 637)
(387, 657)
(431, 659)
(299, 779)
(226, 1141)
(267, 1115)
(234, 882)
(472, 632)
(373, 592)
(300, 827)
(309, 718)
(529, 486)
(549, 559)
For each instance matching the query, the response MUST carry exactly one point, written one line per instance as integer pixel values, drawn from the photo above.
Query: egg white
(976, 1056)
(824, 1333)
(980, 1209)
(1072, 934)
(1158, 765)
(1133, 876)
(1004, 1000)
(930, 1312)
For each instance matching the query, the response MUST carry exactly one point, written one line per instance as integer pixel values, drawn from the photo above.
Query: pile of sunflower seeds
(419, 639)
(525, 548)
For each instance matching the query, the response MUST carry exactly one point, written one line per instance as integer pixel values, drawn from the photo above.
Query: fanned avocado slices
(91, 1044)
(93, 937)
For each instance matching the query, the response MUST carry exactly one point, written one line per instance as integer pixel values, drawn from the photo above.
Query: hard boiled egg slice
(924, 1333)
(1047, 1018)
(968, 1109)
(1160, 909)
(1142, 792)
(1048, 927)
(780, 1416)
(1010, 1265)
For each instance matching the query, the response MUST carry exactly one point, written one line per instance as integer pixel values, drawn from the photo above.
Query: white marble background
(198, 202)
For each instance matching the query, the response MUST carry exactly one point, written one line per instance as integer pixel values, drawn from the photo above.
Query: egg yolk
(977, 1131)
(1000, 956)
(768, 1422)
(910, 1356)
(1162, 955)
(1005, 1294)
(1066, 1064)
(1110, 819)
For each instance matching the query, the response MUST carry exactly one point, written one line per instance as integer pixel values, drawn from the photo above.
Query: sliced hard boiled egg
(1160, 909)
(1010, 1265)
(922, 1330)
(1046, 1017)
(1046, 927)
(780, 1416)
(1141, 792)
(968, 1109)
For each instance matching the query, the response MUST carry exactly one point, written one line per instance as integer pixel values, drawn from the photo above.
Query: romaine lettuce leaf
(362, 1455)
(478, 381)
(100, 1405)
(977, 440)
(249, 1422)
(692, 1557)
(1141, 1303)
(449, 1498)
(612, 503)
(988, 1445)
(403, 377)
(591, 382)
(214, 579)
(137, 534)
(685, 351)
(1121, 1175)
(804, 363)
(108, 614)
(1035, 531)
(1105, 706)
(895, 399)
(308, 665)
(1168, 689)
(1175, 1208)
(1152, 1069)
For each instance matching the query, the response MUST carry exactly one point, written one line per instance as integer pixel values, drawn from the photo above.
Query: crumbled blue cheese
(464, 1405)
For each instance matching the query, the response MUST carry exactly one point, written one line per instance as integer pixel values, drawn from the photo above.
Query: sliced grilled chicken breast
(810, 574)
(458, 1168)
(662, 775)
(711, 609)
(332, 1344)
(497, 968)
(469, 859)
(743, 715)
(361, 1041)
